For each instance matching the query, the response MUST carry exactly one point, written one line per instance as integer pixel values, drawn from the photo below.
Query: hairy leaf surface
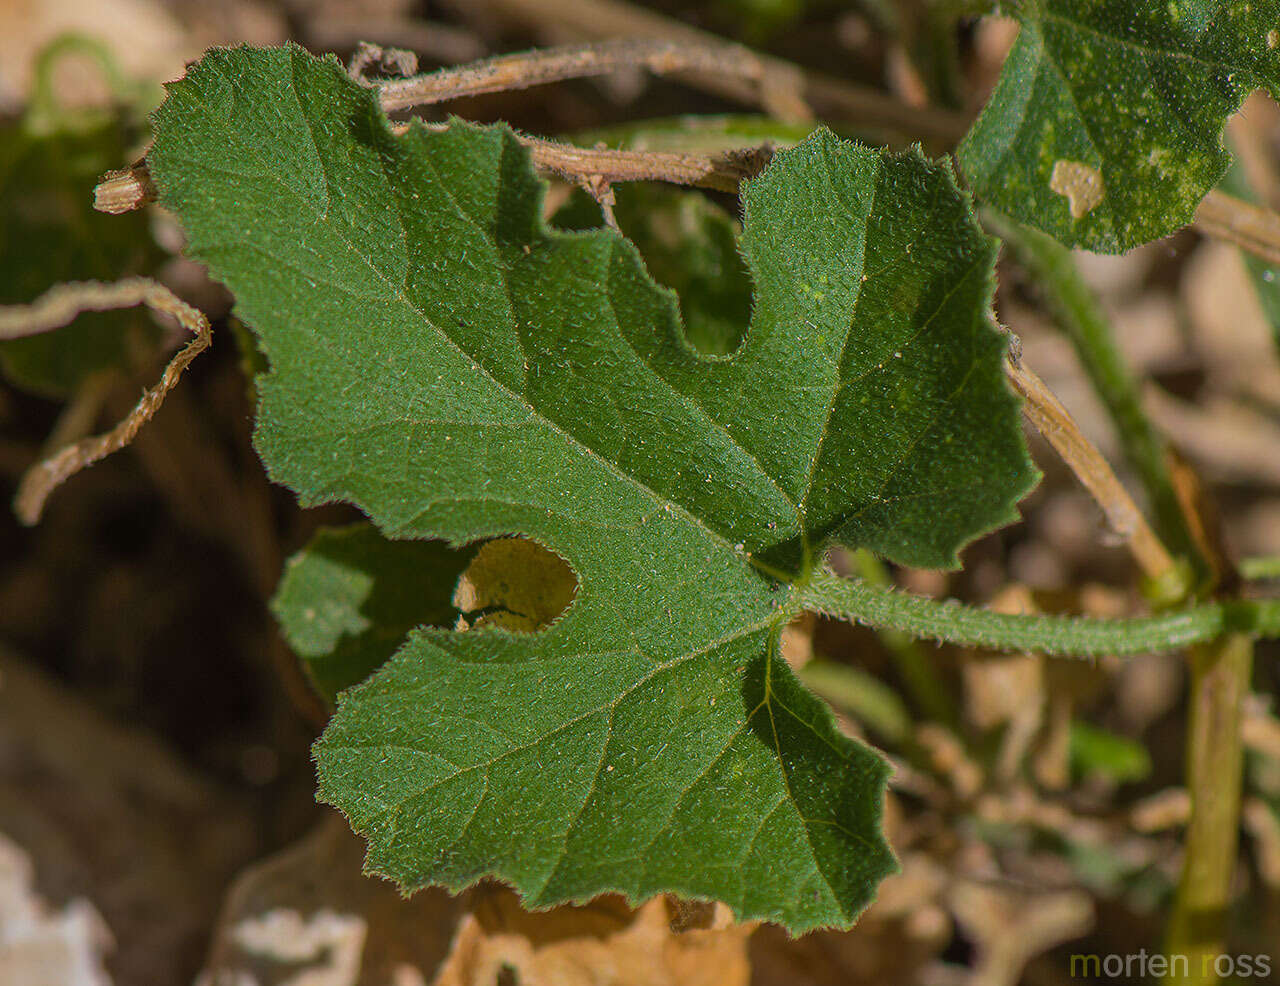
(1105, 128)
(457, 369)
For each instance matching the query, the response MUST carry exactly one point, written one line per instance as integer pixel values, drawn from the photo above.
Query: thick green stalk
(888, 609)
(1079, 316)
(1219, 682)
(930, 696)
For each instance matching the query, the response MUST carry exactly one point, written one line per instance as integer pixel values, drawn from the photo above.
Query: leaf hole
(514, 584)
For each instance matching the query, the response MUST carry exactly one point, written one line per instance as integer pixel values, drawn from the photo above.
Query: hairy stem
(916, 668)
(1080, 317)
(888, 609)
(1219, 683)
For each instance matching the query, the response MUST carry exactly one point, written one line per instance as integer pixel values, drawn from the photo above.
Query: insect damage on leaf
(515, 584)
(1081, 184)
(449, 364)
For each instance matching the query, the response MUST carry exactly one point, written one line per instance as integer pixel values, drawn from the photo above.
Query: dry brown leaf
(1007, 688)
(109, 822)
(40, 944)
(604, 943)
(1229, 329)
(1264, 827)
(949, 759)
(309, 915)
(1228, 438)
(903, 931)
(1051, 761)
(1260, 729)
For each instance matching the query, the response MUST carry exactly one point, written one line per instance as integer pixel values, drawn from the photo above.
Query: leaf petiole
(1068, 636)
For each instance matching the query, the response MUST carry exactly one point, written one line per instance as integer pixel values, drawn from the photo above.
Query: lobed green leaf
(458, 370)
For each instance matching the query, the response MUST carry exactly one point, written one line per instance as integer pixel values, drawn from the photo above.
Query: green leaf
(1105, 128)
(689, 244)
(863, 695)
(50, 233)
(348, 600)
(445, 361)
(1098, 751)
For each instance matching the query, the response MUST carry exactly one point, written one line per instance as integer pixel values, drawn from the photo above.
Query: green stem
(870, 701)
(927, 691)
(1219, 671)
(888, 609)
(1260, 567)
(1082, 320)
(1220, 675)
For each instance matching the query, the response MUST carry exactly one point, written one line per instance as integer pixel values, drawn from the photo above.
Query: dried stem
(124, 191)
(1083, 322)
(722, 172)
(1060, 430)
(777, 85)
(830, 97)
(719, 172)
(1241, 223)
(58, 307)
(133, 188)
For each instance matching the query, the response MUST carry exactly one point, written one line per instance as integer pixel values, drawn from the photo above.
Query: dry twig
(1055, 423)
(58, 307)
(1241, 223)
(370, 58)
(721, 172)
(777, 85)
(124, 191)
(830, 97)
